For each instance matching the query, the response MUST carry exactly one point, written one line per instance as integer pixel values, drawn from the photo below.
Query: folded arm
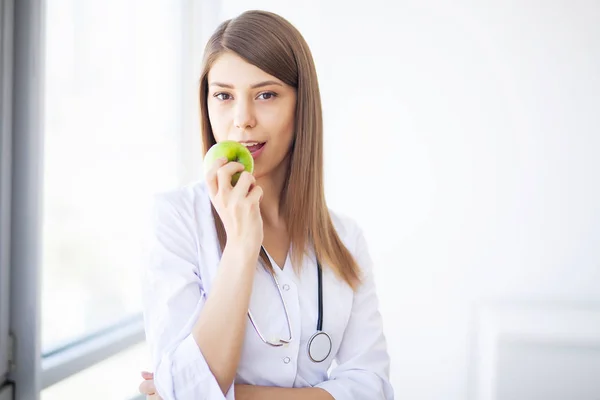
(250, 392)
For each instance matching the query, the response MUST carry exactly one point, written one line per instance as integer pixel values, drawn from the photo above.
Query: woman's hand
(147, 386)
(238, 206)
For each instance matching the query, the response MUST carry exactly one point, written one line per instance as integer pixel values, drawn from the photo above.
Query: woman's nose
(244, 115)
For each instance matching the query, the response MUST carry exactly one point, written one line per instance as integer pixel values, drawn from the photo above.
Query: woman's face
(248, 105)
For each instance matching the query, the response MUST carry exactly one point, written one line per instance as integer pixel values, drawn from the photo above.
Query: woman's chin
(258, 173)
(261, 175)
(262, 172)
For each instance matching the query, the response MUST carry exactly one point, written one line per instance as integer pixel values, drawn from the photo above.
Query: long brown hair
(271, 43)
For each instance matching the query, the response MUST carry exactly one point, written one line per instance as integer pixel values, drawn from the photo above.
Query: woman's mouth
(255, 148)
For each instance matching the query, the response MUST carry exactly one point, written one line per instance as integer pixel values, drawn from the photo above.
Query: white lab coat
(184, 257)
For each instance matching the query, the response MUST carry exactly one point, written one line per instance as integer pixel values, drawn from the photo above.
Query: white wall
(464, 138)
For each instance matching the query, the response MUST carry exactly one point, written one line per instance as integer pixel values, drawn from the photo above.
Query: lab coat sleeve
(363, 361)
(173, 298)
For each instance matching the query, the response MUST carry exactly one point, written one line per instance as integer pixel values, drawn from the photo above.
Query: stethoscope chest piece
(319, 346)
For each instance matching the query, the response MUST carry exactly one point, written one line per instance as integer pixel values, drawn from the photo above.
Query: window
(113, 119)
(104, 115)
(116, 378)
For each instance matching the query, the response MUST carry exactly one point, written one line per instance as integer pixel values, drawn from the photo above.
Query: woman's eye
(267, 95)
(222, 96)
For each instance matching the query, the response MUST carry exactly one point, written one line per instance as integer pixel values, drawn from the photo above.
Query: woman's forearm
(219, 331)
(250, 392)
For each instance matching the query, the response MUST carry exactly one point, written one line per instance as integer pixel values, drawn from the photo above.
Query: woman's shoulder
(187, 199)
(352, 235)
(346, 226)
(184, 209)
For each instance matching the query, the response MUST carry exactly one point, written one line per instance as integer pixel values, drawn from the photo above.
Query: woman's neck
(272, 186)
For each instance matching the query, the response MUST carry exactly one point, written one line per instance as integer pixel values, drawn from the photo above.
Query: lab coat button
(286, 360)
(286, 287)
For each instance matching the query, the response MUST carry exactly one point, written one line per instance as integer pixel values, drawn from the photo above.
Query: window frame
(90, 350)
(6, 12)
(24, 181)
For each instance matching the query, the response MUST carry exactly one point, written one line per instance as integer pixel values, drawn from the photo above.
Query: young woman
(258, 290)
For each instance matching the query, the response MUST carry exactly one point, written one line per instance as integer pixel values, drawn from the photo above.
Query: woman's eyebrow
(265, 83)
(256, 85)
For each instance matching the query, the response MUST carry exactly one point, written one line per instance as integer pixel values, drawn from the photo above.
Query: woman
(254, 290)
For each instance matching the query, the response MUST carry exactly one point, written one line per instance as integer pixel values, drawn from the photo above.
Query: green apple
(232, 151)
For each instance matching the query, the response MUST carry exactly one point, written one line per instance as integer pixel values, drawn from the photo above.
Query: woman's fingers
(211, 176)
(243, 185)
(147, 375)
(255, 194)
(147, 387)
(224, 175)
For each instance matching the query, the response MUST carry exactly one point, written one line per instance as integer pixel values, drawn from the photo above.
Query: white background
(464, 137)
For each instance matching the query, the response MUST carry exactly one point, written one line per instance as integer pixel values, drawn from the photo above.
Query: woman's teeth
(253, 146)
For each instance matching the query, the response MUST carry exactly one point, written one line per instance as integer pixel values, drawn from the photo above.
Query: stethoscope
(319, 345)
